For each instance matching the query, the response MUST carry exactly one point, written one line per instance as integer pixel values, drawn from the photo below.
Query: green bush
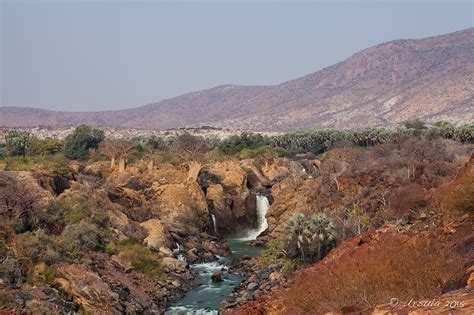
(355, 220)
(78, 237)
(142, 259)
(237, 143)
(303, 241)
(309, 239)
(84, 138)
(274, 253)
(41, 273)
(18, 142)
(39, 247)
(48, 146)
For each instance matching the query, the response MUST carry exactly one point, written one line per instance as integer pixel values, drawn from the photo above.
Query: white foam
(262, 207)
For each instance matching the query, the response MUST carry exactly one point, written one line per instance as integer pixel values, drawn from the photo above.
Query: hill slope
(431, 79)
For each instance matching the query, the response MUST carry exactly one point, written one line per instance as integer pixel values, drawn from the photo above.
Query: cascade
(262, 207)
(214, 222)
(177, 253)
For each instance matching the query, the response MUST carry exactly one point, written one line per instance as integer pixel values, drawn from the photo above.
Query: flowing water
(206, 298)
(214, 223)
(262, 206)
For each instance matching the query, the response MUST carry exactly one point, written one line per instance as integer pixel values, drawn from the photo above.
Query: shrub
(141, 258)
(41, 273)
(309, 240)
(12, 269)
(414, 124)
(39, 247)
(237, 143)
(18, 142)
(354, 221)
(48, 146)
(78, 237)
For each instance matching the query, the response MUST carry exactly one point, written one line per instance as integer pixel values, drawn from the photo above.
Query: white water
(178, 254)
(262, 207)
(214, 222)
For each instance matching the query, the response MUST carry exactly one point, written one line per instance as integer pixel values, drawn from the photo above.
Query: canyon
(185, 236)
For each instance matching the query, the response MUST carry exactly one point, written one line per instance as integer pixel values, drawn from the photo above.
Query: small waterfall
(214, 222)
(177, 253)
(262, 207)
(181, 257)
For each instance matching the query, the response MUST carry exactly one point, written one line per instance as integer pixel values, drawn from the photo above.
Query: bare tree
(118, 148)
(189, 148)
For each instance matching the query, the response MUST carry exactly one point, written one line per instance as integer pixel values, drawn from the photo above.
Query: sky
(88, 55)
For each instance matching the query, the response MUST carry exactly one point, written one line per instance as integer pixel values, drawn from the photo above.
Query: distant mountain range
(431, 79)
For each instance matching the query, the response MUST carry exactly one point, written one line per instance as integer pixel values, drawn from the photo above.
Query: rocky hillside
(431, 79)
(86, 236)
(384, 266)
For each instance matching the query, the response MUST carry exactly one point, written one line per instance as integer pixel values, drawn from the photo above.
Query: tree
(117, 148)
(309, 239)
(414, 124)
(84, 138)
(47, 146)
(188, 146)
(150, 146)
(18, 142)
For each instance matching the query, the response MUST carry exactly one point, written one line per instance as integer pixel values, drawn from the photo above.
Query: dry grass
(373, 275)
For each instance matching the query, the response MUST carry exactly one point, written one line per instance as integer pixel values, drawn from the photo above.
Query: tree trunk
(122, 164)
(112, 162)
(151, 165)
(194, 169)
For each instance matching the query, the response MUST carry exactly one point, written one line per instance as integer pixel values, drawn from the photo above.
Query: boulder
(217, 277)
(165, 252)
(157, 235)
(87, 289)
(192, 255)
(252, 286)
(173, 264)
(229, 198)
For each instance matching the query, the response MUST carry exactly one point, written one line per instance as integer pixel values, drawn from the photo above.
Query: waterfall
(181, 257)
(262, 206)
(214, 222)
(177, 253)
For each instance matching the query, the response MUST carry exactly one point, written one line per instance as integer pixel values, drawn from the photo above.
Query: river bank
(215, 281)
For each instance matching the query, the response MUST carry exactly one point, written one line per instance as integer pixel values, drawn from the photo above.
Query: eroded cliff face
(421, 263)
(167, 208)
(229, 198)
(171, 206)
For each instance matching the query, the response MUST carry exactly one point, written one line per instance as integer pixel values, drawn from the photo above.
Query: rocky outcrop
(228, 197)
(334, 283)
(88, 290)
(181, 207)
(157, 235)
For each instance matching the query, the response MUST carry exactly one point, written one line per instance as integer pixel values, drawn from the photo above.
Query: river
(206, 298)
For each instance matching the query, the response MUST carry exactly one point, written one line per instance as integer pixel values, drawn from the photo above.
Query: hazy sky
(97, 55)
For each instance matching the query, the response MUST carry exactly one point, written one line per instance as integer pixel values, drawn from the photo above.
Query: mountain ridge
(430, 78)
